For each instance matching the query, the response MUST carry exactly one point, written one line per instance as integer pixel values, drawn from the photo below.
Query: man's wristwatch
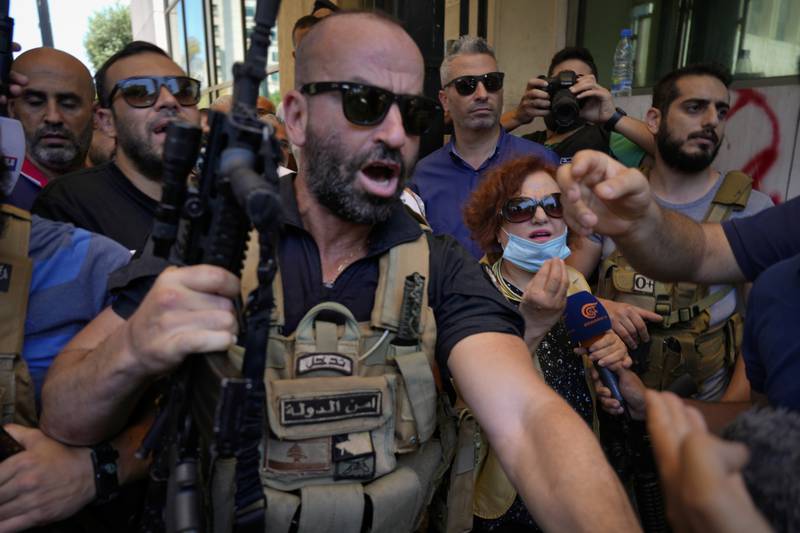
(106, 482)
(612, 122)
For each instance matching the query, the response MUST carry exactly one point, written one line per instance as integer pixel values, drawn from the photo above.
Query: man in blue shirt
(472, 94)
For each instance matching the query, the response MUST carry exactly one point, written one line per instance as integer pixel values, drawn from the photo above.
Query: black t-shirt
(463, 299)
(763, 239)
(588, 137)
(100, 199)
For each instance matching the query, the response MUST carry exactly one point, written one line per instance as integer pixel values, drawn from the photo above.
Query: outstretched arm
(548, 452)
(97, 380)
(599, 194)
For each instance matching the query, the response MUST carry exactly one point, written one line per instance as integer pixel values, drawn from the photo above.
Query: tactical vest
(16, 387)
(352, 417)
(683, 343)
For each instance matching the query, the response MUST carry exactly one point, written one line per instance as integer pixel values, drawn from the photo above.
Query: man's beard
(66, 157)
(332, 179)
(672, 153)
(140, 149)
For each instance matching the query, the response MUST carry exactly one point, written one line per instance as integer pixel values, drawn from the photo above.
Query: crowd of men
(669, 240)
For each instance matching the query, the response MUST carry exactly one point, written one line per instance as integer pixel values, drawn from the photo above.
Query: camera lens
(565, 108)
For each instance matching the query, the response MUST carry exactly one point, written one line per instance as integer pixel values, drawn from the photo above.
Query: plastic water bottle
(622, 73)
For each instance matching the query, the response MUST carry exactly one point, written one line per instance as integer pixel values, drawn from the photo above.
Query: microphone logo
(589, 310)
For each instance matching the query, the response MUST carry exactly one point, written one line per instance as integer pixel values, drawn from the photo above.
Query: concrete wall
(288, 15)
(761, 137)
(148, 22)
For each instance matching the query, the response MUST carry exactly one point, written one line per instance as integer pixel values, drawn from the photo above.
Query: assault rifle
(6, 38)
(208, 222)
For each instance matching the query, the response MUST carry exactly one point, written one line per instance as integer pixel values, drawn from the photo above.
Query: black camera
(564, 107)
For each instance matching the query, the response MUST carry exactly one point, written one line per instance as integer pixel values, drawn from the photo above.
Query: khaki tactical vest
(352, 417)
(683, 342)
(16, 388)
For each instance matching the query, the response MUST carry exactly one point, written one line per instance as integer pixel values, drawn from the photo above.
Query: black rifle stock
(6, 43)
(208, 222)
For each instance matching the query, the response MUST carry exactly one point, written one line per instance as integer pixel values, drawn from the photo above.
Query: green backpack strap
(731, 196)
(684, 314)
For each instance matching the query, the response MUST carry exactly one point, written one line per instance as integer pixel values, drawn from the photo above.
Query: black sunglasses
(466, 85)
(366, 105)
(522, 208)
(142, 91)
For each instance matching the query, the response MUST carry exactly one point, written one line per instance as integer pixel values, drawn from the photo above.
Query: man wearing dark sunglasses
(140, 91)
(472, 94)
(356, 116)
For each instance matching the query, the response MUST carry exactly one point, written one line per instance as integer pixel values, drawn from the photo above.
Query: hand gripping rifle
(208, 222)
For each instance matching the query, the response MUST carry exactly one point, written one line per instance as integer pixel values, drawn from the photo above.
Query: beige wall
(289, 13)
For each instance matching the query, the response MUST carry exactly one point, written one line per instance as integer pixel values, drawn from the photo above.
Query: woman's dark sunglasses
(366, 105)
(522, 208)
(466, 85)
(142, 91)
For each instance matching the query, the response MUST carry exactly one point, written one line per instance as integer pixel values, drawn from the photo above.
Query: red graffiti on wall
(758, 165)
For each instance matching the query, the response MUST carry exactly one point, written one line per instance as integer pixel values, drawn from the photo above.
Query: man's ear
(295, 117)
(104, 121)
(443, 100)
(11, 108)
(653, 120)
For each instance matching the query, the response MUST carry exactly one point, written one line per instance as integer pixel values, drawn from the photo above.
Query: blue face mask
(529, 255)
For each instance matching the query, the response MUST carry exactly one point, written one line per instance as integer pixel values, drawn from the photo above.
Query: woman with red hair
(515, 214)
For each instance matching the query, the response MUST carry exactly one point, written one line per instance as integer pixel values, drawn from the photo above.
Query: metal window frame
(576, 29)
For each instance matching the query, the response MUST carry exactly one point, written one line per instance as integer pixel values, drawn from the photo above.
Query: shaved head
(355, 171)
(355, 36)
(55, 109)
(52, 62)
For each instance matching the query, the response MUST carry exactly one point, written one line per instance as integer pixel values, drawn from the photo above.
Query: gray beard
(331, 179)
(62, 158)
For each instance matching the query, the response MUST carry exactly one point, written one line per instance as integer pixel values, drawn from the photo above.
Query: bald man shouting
(362, 452)
(55, 109)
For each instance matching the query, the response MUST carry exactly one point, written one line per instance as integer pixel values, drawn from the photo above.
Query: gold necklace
(344, 263)
(508, 289)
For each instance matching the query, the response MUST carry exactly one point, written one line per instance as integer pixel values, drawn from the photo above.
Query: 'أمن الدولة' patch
(330, 407)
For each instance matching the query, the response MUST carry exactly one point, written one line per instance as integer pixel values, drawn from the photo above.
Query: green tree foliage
(109, 31)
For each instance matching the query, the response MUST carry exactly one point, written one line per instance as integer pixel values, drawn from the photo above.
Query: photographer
(578, 113)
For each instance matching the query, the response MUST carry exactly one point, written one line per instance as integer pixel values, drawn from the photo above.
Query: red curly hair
(482, 210)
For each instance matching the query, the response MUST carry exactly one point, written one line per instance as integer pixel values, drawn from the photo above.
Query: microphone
(587, 320)
(12, 149)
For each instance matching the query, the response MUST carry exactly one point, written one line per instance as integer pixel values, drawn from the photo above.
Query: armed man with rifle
(375, 323)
